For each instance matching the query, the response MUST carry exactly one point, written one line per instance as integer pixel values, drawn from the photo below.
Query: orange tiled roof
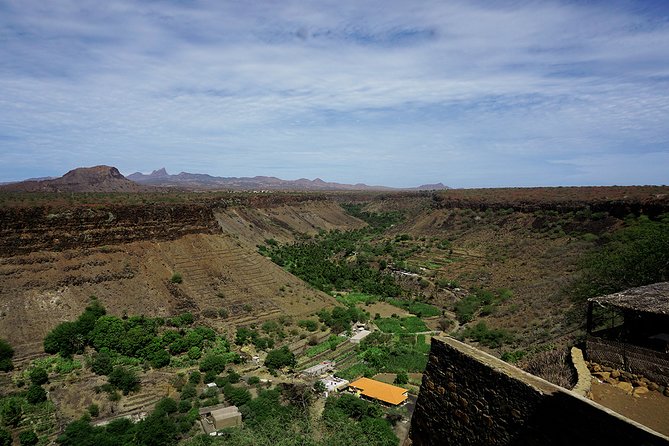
(380, 391)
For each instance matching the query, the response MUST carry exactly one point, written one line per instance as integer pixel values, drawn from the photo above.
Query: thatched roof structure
(649, 299)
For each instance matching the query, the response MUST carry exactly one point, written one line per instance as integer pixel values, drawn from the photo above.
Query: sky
(393, 92)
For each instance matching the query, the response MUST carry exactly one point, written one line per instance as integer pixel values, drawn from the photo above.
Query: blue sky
(393, 92)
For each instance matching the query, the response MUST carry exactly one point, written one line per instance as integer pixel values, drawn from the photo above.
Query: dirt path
(650, 409)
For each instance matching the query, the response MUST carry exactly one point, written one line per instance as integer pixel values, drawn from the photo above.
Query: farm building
(379, 391)
(359, 336)
(630, 331)
(319, 369)
(214, 418)
(333, 384)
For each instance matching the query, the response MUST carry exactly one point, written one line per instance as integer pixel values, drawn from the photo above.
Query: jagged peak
(159, 173)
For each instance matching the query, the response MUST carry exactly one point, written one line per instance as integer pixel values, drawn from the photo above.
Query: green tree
(166, 405)
(279, 358)
(213, 362)
(65, 339)
(5, 437)
(6, 355)
(102, 363)
(94, 410)
(237, 396)
(402, 378)
(636, 255)
(195, 377)
(124, 379)
(194, 353)
(109, 332)
(156, 430)
(28, 438)
(35, 394)
(39, 376)
(159, 359)
(319, 387)
(11, 412)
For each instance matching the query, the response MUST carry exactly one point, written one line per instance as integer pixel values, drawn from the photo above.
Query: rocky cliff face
(619, 201)
(24, 230)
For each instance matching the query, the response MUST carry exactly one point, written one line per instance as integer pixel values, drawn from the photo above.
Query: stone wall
(471, 398)
(652, 364)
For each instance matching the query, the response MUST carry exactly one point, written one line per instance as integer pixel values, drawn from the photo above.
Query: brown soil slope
(220, 272)
(284, 223)
(519, 251)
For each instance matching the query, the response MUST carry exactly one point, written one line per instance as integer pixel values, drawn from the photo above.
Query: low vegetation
(490, 337)
(6, 355)
(635, 255)
(401, 325)
(479, 303)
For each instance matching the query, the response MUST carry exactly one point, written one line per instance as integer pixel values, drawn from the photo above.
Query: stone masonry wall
(471, 398)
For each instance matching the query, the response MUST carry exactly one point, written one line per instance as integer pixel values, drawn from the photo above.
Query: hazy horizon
(467, 93)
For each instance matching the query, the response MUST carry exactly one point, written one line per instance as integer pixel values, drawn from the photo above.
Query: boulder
(640, 390)
(602, 375)
(627, 387)
(615, 374)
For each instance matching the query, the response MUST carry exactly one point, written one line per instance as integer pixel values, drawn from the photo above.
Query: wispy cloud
(392, 92)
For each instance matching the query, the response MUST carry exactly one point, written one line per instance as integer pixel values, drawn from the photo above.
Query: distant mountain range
(195, 181)
(109, 179)
(83, 179)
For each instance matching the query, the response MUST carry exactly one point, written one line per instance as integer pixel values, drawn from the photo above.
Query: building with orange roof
(377, 390)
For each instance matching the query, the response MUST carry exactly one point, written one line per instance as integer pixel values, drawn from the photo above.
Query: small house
(319, 369)
(214, 418)
(334, 384)
(359, 336)
(629, 331)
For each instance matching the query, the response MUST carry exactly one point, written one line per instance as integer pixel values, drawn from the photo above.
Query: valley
(263, 271)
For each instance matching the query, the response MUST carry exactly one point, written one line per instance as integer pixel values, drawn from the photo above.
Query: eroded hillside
(126, 256)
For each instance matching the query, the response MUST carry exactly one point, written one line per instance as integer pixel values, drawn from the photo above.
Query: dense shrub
(308, 324)
(69, 338)
(11, 411)
(28, 438)
(236, 396)
(6, 355)
(5, 437)
(124, 379)
(35, 394)
(102, 363)
(279, 358)
(493, 338)
(213, 362)
(322, 262)
(636, 255)
(38, 376)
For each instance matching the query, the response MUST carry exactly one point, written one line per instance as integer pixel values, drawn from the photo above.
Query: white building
(359, 336)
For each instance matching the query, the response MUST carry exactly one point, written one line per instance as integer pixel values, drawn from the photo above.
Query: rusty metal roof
(649, 299)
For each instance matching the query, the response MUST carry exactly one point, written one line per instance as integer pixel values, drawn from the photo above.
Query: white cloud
(331, 88)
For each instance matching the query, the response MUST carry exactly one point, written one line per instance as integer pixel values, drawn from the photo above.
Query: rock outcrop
(24, 230)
